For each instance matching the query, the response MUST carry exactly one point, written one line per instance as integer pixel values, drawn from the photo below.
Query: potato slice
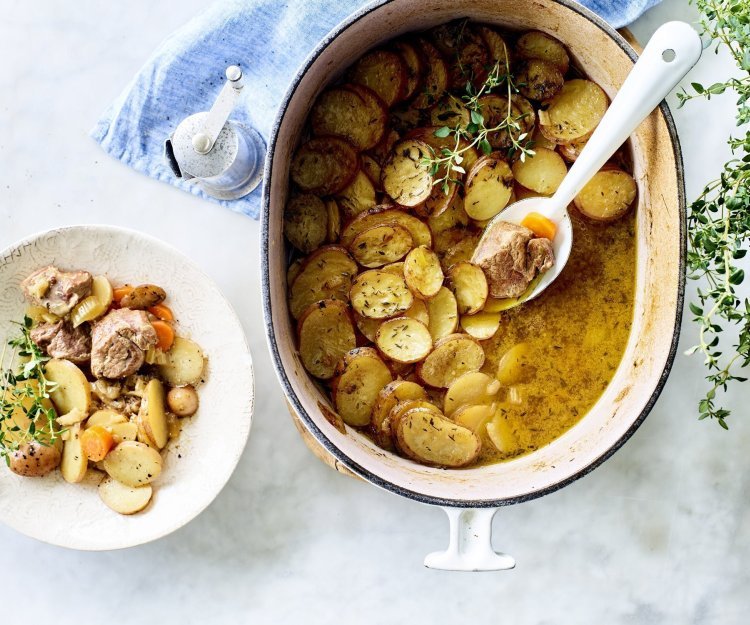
(469, 285)
(368, 327)
(451, 357)
(431, 439)
(306, 222)
(482, 325)
(395, 268)
(543, 172)
(496, 46)
(96, 304)
(574, 112)
(426, 134)
(418, 311)
(124, 499)
(443, 314)
(515, 365)
(423, 273)
(539, 80)
(291, 274)
(153, 414)
(379, 294)
(450, 111)
(373, 170)
(501, 434)
(471, 389)
(185, 363)
(404, 339)
(496, 109)
(389, 397)
(124, 431)
(381, 245)
(489, 186)
(435, 77)
(74, 462)
(72, 389)
(387, 216)
(538, 45)
(324, 165)
(361, 376)
(133, 463)
(413, 65)
(607, 196)
(105, 418)
(474, 417)
(326, 274)
(454, 215)
(462, 251)
(358, 196)
(384, 72)
(406, 173)
(464, 50)
(326, 334)
(342, 112)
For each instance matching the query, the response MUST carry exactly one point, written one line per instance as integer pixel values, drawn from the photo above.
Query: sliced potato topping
(384, 72)
(469, 285)
(423, 273)
(574, 112)
(326, 334)
(381, 245)
(482, 325)
(326, 274)
(451, 357)
(471, 389)
(489, 186)
(358, 196)
(543, 172)
(404, 339)
(306, 222)
(443, 312)
(474, 417)
(324, 165)
(379, 294)
(406, 174)
(538, 45)
(607, 196)
(361, 376)
(390, 395)
(387, 216)
(432, 439)
(342, 112)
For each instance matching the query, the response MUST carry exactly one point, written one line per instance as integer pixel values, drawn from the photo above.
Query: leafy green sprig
(25, 390)
(719, 219)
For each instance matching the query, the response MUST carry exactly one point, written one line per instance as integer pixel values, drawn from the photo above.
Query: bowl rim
(245, 433)
(291, 395)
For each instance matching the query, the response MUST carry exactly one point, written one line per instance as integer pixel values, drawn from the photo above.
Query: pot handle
(470, 546)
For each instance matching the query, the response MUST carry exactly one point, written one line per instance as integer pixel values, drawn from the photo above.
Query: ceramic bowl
(607, 58)
(197, 464)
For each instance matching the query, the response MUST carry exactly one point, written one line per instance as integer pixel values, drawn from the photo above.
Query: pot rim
(266, 284)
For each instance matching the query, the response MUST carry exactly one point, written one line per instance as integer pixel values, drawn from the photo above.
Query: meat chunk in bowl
(119, 342)
(62, 340)
(511, 258)
(57, 291)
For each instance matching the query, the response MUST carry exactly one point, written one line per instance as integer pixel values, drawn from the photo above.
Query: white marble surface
(658, 535)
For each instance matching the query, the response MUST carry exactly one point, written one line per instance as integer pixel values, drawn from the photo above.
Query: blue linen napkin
(269, 40)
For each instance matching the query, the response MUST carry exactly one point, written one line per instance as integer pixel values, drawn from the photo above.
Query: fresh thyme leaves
(26, 413)
(445, 165)
(719, 219)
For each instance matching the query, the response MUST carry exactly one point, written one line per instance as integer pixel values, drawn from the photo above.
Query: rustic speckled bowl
(607, 58)
(198, 464)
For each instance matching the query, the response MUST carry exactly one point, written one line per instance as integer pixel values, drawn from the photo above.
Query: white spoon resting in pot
(672, 51)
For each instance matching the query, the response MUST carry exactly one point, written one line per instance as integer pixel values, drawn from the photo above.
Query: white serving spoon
(672, 51)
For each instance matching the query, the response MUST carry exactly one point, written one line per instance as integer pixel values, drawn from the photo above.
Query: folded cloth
(269, 40)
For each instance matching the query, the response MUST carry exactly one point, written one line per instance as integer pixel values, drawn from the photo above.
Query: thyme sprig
(719, 219)
(24, 390)
(445, 166)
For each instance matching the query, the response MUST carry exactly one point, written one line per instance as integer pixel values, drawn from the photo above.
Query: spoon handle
(670, 54)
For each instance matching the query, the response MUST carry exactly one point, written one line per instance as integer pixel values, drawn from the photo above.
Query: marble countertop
(658, 535)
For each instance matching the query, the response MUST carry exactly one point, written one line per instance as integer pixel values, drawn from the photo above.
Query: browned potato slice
(543, 172)
(368, 327)
(454, 215)
(385, 215)
(361, 376)
(406, 173)
(496, 109)
(527, 115)
(395, 268)
(414, 67)
(431, 439)
(405, 406)
(607, 196)
(443, 313)
(451, 357)
(405, 118)
(342, 112)
(539, 80)
(404, 339)
(326, 274)
(384, 72)
(469, 285)
(381, 245)
(540, 141)
(422, 272)
(574, 112)
(306, 222)
(435, 77)
(426, 134)
(381, 151)
(571, 151)
(515, 365)
(482, 325)
(326, 334)
(419, 312)
(391, 395)
(358, 196)
(450, 111)
(474, 417)
(489, 186)
(372, 169)
(333, 225)
(496, 46)
(538, 45)
(324, 165)
(471, 389)
(440, 197)
(379, 294)
(465, 51)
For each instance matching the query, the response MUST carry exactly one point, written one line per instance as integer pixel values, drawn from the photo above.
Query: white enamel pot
(472, 496)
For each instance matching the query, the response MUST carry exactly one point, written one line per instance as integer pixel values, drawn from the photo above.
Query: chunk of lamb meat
(57, 291)
(511, 257)
(119, 342)
(62, 340)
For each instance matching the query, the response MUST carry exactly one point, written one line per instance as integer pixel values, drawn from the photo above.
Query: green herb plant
(24, 390)
(719, 219)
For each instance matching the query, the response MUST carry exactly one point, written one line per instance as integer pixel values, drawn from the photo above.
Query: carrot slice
(160, 311)
(540, 225)
(96, 442)
(164, 333)
(121, 291)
